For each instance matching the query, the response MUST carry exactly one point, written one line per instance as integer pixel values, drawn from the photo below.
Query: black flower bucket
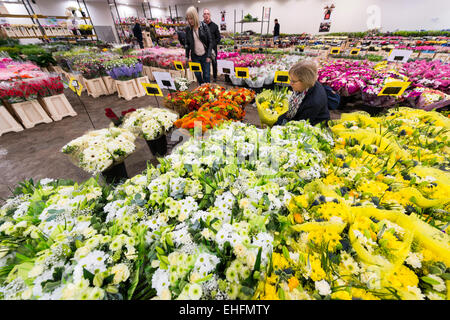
(158, 146)
(115, 173)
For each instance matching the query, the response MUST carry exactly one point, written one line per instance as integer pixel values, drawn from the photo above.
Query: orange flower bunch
(212, 114)
(226, 108)
(208, 118)
(241, 96)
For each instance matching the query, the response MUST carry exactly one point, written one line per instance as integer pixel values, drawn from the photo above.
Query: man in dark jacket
(276, 31)
(137, 32)
(215, 35)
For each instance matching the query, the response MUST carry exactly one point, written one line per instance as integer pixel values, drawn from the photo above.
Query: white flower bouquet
(149, 123)
(98, 150)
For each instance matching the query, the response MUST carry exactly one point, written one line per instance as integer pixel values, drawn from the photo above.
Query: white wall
(297, 16)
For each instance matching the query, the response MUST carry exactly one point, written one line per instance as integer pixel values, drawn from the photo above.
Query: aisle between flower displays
(294, 212)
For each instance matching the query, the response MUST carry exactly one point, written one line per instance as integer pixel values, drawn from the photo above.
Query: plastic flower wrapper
(97, 150)
(149, 123)
(182, 84)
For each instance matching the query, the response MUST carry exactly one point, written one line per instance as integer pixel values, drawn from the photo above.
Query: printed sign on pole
(354, 52)
(164, 80)
(75, 86)
(152, 89)
(335, 50)
(225, 67)
(398, 55)
(394, 88)
(241, 72)
(178, 65)
(195, 66)
(281, 77)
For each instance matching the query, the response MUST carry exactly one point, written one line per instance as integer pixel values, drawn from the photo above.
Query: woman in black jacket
(309, 100)
(198, 44)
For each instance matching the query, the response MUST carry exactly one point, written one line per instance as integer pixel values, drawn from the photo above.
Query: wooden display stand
(110, 84)
(140, 88)
(95, 87)
(7, 122)
(127, 89)
(57, 106)
(146, 70)
(178, 73)
(30, 113)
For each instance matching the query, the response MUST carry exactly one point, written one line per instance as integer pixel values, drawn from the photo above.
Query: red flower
(110, 114)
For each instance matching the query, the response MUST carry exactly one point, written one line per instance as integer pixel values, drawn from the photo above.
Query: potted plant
(127, 73)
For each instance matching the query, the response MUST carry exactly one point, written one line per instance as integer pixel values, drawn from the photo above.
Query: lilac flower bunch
(124, 69)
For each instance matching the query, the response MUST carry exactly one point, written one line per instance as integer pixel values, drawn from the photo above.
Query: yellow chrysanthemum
(341, 295)
(375, 188)
(279, 261)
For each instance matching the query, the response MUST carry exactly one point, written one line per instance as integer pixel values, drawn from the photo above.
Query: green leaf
(134, 282)
(429, 280)
(445, 276)
(160, 250)
(88, 275)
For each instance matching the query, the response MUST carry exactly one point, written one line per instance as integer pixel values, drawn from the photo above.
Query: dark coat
(137, 31)
(276, 30)
(314, 107)
(215, 34)
(205, 38)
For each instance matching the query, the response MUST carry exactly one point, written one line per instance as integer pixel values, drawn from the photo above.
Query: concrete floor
(35, 153)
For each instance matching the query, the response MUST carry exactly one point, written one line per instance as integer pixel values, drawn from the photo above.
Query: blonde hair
(192, 13)
(306, 72)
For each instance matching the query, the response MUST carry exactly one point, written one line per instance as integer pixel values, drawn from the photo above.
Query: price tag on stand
(241, 72)
(164, 80)
(394, 88)
(397, 55)
(335, 50)
(195, 66)
(281, 77)
(152, 89)
(354, 51)
(75, 86)
(178, 65)
(225, 67)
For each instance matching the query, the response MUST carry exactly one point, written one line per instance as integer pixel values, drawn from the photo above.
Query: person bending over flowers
(309, 100)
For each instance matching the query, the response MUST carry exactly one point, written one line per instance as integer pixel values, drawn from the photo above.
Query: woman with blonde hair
(198, 44)
(309, 101)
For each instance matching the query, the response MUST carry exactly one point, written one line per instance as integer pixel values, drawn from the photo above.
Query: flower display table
(139, 86)
(57, 106)
(127, 89)
(7, 122)
(30, 113)
(110, 84)
(96, 87)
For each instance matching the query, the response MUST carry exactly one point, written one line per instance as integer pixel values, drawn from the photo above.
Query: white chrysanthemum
(322, 287)
(160, 281)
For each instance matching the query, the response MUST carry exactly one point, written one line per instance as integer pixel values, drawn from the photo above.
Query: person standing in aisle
(198, 44)
(276, 31)
(215, 34)
(309, 101)
(137, 32)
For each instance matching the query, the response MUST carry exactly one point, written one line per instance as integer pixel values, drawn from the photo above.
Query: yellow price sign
(75, 86)
(282, 77)
(195, 66)
(354, 52)
(152, 89)
(241, 72)
(335, 50)
(178, 65)
(394, 88)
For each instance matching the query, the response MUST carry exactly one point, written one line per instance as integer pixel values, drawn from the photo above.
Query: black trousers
(214, 64)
